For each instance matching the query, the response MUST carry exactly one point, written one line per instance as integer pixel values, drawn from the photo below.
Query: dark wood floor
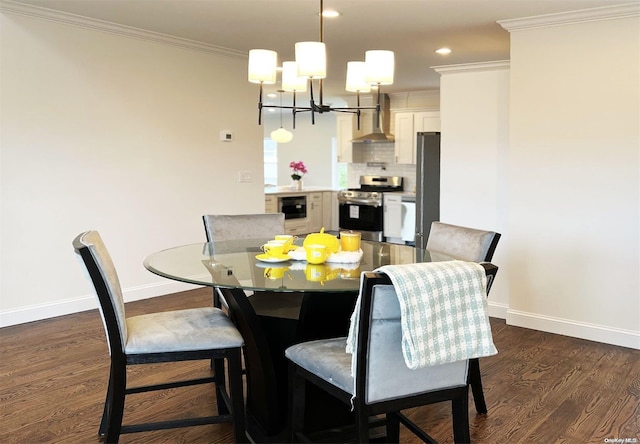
(540, 388)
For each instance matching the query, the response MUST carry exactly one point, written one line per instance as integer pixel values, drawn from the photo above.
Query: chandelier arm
(293, 111)
(260, 106)
(311, 102)
(378, 109)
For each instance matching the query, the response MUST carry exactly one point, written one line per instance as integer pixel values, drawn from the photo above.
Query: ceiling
(414, 29)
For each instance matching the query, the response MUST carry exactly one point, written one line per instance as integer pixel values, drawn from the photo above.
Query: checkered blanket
(443, 309)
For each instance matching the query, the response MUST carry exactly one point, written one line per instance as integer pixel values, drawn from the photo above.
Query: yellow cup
(275, 273)
(350, 273)
(315, 272)
(274, 248)
(316, 253)
(288, 241)
(350, 240)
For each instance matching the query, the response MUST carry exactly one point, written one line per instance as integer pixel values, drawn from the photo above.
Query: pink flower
(298, 169)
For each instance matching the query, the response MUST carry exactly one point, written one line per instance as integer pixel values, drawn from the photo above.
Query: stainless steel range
(361, 208)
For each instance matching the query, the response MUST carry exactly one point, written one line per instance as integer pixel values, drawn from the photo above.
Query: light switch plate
(244, 176)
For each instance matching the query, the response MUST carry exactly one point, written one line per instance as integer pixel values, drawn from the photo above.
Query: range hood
(380, 133)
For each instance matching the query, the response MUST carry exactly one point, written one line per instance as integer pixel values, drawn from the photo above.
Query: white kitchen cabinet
(270, 203)
(329, 207)
(392, 216)
(407, 125)
(314, 211)
(344, 135)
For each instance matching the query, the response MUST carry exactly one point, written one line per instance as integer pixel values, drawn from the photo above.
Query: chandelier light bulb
(311, 58)
(380, 66)
(262, 66)
(281, 135)
(356, 78)
(290, 79)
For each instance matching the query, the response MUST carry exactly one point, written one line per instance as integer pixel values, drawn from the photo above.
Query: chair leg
(104, 422)
(393, 427)
(237, 397)
(362, 426)
(218, 369)
(296, 403)
(475, 380)
(460, 411)
(116, 407)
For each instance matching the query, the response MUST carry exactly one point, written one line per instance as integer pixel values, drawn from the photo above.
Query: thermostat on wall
(226, 136)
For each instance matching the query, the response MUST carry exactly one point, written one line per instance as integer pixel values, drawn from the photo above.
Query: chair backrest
(102, 273)
(467, 244)
(381, 372)
(220, 227)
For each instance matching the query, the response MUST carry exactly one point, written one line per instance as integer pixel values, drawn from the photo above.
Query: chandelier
(311, 65)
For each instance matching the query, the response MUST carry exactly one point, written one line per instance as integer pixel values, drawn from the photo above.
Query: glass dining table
(275, 305)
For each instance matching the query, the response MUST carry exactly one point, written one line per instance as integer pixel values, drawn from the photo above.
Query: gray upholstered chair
(467, 244)
(220, 227)
(223, 227)
(183, 335)
(383, 383)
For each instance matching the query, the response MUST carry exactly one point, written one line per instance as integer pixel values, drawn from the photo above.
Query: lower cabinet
(270, 203)
(296, 226)
(314, 211)
(392, 216)
(319, 212)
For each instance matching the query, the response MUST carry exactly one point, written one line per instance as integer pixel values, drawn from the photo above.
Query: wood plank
(539, 388)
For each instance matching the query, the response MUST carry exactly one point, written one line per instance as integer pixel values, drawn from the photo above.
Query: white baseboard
(497, 310)
(38, 312)
(576, 329)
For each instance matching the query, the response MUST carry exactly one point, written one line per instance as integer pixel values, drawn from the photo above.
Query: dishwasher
(409, 218)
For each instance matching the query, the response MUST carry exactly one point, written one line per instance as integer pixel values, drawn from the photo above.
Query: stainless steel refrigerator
(427, 185)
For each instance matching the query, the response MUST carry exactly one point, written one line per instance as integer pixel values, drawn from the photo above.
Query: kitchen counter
(287, 190)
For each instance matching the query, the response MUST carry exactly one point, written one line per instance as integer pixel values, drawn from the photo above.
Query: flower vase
(296, 185)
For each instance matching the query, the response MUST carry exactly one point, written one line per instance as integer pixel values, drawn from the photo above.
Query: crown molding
(414, 94)
(471, 67)
(572, 17)
(11, 7)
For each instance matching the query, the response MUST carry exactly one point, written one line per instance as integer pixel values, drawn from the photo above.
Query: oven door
(360, 217)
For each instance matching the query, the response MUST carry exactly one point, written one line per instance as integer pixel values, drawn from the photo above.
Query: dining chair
(182, 335)
(468, 244)
(376, 379)
(221, 227)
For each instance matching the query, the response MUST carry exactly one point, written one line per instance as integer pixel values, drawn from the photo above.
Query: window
(270, 162)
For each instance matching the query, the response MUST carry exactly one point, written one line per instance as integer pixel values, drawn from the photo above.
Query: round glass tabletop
(236, 264)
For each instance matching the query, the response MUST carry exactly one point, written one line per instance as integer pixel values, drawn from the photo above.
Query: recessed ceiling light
(330, 13)
(443, 51)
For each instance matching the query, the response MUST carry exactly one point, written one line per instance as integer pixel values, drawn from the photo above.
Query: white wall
(120, 134)
(474, 118)
(566, 186)
(574, 179)
(315, 145)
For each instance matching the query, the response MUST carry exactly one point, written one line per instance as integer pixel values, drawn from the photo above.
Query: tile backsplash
(378, 153)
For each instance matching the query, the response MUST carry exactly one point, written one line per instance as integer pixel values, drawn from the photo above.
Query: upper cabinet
(345, 125)
(407, 124)
(347, 130)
